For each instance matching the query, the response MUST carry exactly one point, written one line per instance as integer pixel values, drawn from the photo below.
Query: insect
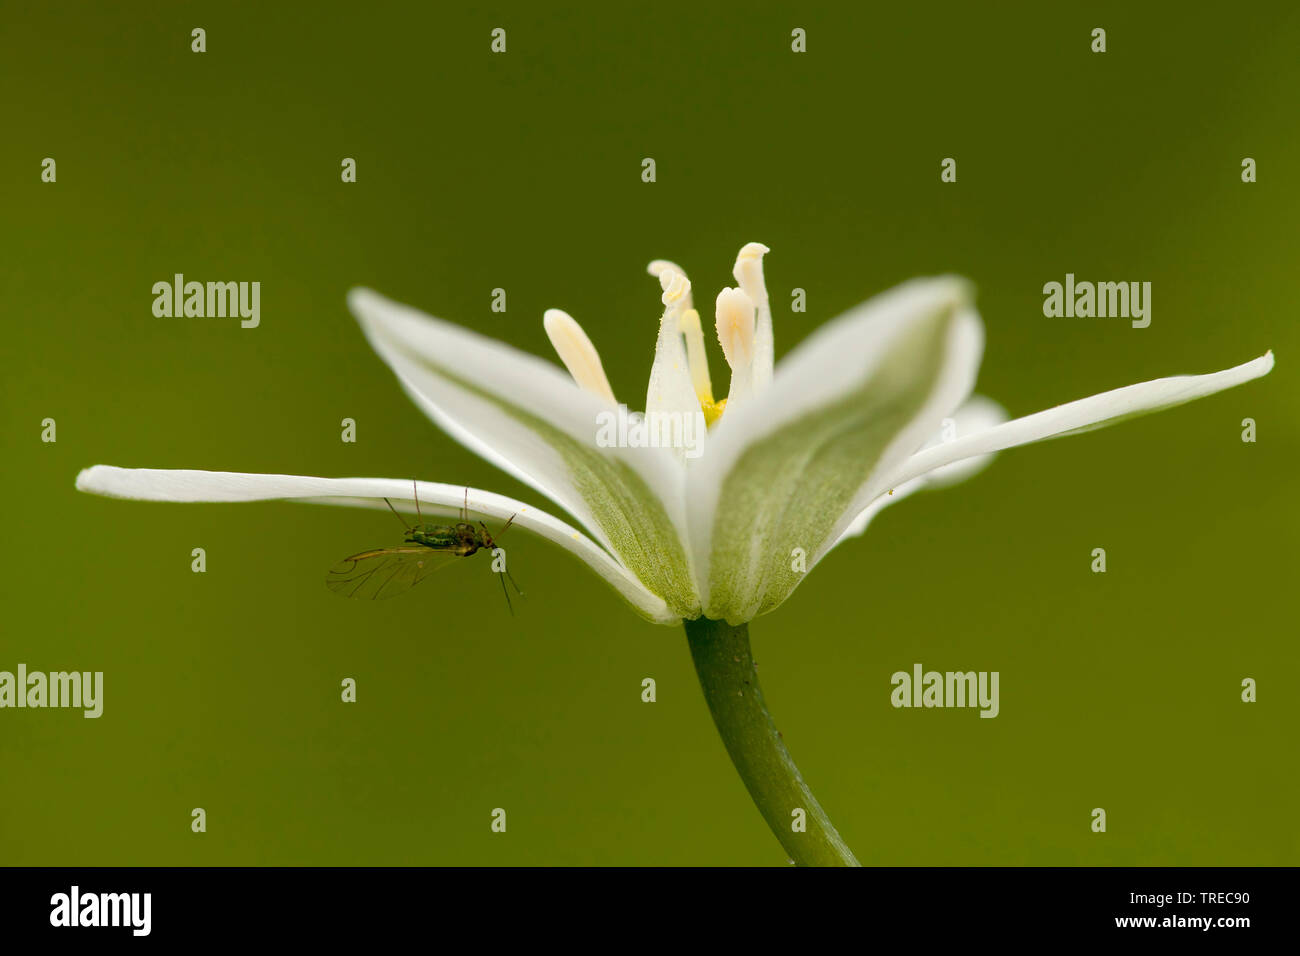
(387, 572)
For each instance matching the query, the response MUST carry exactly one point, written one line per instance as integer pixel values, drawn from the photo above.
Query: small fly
(387, 572)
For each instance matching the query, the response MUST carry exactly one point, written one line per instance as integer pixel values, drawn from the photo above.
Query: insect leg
(492, 543)
(416, 493)
(510, 606)
(512, 581)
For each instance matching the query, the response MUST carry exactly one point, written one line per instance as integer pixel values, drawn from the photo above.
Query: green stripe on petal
(791, 486)
(630, 516)
(529, 418)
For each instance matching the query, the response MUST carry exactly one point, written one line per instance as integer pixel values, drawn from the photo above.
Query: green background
(522, 171)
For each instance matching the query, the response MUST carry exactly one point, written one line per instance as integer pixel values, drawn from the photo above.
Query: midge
(388, 572)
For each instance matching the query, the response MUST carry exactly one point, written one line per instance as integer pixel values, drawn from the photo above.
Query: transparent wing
(385, 572)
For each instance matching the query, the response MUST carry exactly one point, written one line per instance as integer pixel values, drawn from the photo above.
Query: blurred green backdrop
(522, 171)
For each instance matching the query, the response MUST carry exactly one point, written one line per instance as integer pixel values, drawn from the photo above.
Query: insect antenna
(487, 535)
(405, 527)
(415, 492)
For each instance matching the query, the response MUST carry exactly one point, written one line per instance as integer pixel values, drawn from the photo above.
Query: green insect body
(462, 538)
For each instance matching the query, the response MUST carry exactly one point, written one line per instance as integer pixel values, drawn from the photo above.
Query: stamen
(660, 266)
(696, 358)
(748, 271)
(677, 289)
(679, 310)
(735, 322)
(577, 353)
(670, 389)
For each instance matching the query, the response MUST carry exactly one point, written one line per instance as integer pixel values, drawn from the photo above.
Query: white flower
(797, 457)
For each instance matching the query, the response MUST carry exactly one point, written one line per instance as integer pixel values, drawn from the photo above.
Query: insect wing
(385, 572)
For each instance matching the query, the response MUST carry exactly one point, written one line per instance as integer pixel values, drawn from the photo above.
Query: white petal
(855, 398)
(977, 414)
(526, 416)
(153, 484)
(1083, 415)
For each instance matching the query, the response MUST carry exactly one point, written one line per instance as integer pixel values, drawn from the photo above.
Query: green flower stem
(730, 682)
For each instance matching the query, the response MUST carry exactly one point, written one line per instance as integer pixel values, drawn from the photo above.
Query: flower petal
(854, 399)
(1072, 418)
(153, 484)
(526, 416)
(977, 414)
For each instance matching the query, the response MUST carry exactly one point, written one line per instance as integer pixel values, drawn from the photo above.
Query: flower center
(735, 315)
(744, 326)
